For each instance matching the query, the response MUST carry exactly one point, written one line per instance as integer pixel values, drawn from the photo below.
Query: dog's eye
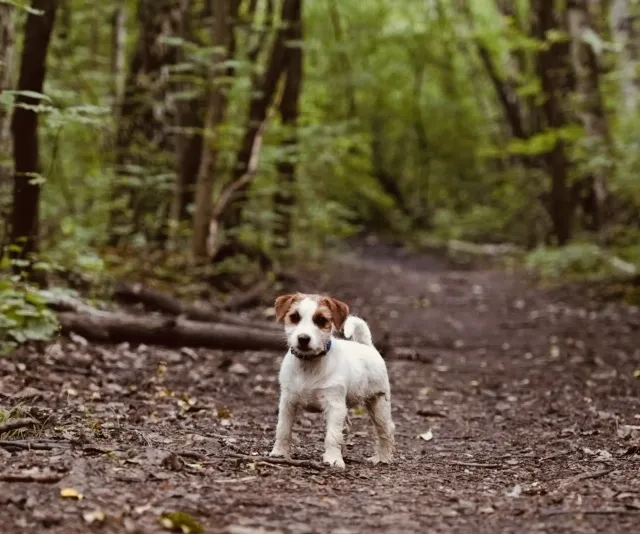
(320, 321)
(294, 317)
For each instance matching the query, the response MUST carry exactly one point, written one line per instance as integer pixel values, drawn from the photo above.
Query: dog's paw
(278, 453)
(334, 461)
(380, 459)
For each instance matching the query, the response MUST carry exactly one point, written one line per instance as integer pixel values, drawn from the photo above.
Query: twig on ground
(554, 456)
(17, 424)
(584, 476)
(475, 464)
(43, 478)
(602, 511)
(33, 445)
(281, 461)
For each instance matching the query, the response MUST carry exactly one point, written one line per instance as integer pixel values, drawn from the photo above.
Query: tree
(289, 109)
(625, 35)
(144, 143)
(557, 84)
(222, 36)
(591, 111)
(26, 146)
(6, 68)
(263, 93)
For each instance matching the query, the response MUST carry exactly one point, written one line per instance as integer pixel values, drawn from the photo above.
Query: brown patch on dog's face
(322, 318)
(283, 305)
(338, 310)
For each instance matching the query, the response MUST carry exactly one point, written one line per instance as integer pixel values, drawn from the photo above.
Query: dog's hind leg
(379, 408)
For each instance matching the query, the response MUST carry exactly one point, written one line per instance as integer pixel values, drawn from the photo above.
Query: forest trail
(525, 399)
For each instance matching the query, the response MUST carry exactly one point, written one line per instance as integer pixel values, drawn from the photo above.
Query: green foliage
(391, 89)
(575, 261)
(24, 315)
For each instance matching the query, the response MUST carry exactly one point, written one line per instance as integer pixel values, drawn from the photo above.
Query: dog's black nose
(303, 340)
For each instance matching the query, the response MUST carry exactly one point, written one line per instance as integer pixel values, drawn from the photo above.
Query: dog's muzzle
(310, 355)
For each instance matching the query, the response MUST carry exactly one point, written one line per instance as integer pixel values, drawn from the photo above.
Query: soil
(516, 409)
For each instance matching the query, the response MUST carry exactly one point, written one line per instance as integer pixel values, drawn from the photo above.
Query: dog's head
(309, 320)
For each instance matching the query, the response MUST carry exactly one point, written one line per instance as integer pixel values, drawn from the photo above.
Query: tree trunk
(345, 61)
(7, 39)
(143, 140)
(625, 36)
(24, 126)
(592, 113)
(118, 53)
(557, 83)
(263, 91)
(289, 109)
(222, 35)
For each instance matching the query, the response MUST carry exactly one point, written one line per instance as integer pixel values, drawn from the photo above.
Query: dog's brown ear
(282, 305)
(339, 311)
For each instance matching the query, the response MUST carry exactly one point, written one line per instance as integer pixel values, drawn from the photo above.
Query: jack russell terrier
(321, 373)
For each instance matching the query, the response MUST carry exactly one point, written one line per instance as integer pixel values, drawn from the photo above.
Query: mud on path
(527, 401)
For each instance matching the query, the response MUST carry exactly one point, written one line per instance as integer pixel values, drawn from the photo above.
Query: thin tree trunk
(556, 82)
(7, 39)
(592, 114)
(625, 37)
(289, 108)
(118, 53)
(24, 126)
(421, 209)
(263, 91)
(222, 34)
(143, 141)
(189, 139)
(343, 57)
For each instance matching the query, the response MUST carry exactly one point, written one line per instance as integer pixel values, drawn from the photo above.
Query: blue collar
(313, 356)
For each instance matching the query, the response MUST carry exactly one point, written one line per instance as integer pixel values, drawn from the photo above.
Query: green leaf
(29, 94)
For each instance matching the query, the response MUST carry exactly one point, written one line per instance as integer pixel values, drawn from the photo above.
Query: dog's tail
(357, 330)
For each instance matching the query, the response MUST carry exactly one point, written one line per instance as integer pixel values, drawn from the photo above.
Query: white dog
(321, 373)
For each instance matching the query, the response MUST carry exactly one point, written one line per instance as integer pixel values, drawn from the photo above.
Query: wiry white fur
(357, 329)
(351, 374)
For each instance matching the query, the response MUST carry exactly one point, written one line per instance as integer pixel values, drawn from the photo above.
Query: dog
(322, 373)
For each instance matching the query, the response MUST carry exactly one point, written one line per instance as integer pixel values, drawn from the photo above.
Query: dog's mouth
(309, 353)
(306, 354)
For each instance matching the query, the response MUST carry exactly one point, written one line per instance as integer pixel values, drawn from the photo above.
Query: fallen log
(159, 301)
(169, 332)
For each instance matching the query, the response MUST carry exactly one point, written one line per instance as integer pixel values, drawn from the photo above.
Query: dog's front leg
(336, 413)
(286, 418)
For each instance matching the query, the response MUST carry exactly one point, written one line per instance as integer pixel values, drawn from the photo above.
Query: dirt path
(530, 404)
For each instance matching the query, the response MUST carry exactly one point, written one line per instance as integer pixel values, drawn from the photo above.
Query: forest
(238, 137)
(464, 173)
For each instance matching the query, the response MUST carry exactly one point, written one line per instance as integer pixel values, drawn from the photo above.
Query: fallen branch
(623, 267)
(475, 464)
(17, 424)
(278, 461)
(562, 484)
(25, 477)
(65, 303)
(156, 300)
(169, 332)
(602, 511)
(33, 445)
